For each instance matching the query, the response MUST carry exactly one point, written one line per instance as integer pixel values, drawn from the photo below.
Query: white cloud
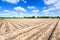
(14, 1)
(44, 7)
(0, 7)
(11, 1)
(19, 9)
(4, 14)
(31, 7)
(6, 11)
(45, 11)
(35, 11)
(49, 11)
(53, 3)
(33, 14)
(24, 1)
(54, 7)
(48, 2)
(57, 5)
(13, 13)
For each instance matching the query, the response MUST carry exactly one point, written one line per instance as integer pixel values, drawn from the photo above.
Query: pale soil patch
(30, 29)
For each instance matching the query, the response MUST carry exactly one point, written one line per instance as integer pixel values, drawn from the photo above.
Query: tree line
(32, 17)
(43, 17)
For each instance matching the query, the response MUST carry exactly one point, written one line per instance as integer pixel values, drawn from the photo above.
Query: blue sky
(19, 8)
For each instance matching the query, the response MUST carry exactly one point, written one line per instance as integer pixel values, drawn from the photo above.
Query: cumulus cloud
(33, 14)
(53, 6)
(11, 1)
(14, 1)
(57, 5)
(13, 13)
(24, 1)
(53, 3)
(45, 11)
(31, 7)
(18, 11)
(9, 12)
(35, 11)
(6, 11)
(21, 9)
(48, 2)
(0, 7)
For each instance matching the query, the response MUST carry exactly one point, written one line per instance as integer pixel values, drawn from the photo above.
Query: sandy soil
(30, 29)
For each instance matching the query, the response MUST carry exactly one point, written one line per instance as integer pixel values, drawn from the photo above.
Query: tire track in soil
(1, 23)
(7, 28)
(47, 34)
(12, 36)
(22, 33)
(17, 26)
(21, 24)
(56, 33)
(12, 27)
(39, 33)
(3, 28)
(35, 34)
(36, 25)
(53, 30)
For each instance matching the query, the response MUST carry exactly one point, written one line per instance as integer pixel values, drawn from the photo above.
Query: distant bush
(30, 17)
(43, 17)
(47, 17)
(33, 16)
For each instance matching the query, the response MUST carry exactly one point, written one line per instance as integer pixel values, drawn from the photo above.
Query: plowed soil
(30, 29)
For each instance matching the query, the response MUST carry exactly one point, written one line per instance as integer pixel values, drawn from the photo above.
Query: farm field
(30, 29)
